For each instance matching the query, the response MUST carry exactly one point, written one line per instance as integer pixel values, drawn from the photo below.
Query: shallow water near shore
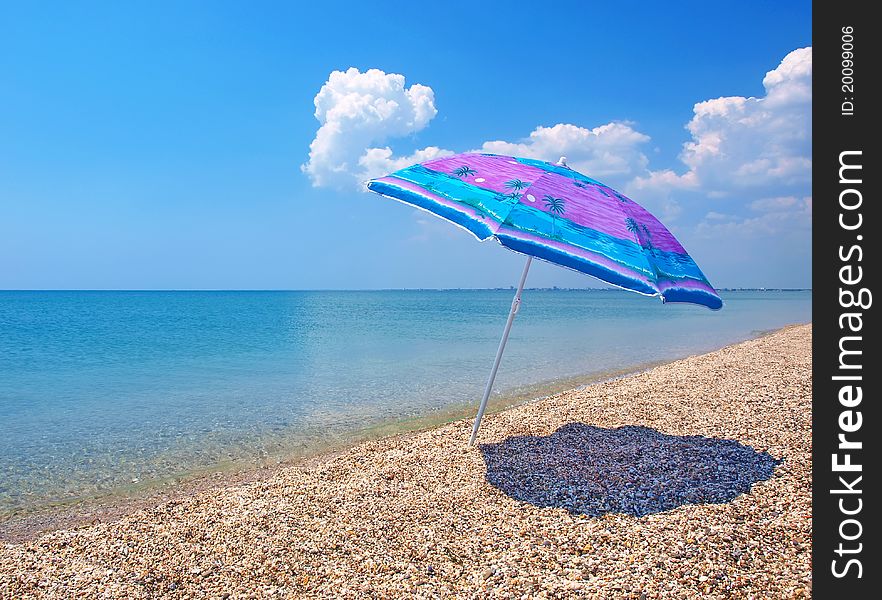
(103, 392)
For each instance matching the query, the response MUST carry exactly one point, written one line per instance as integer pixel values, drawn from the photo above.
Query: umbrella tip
(562, 161)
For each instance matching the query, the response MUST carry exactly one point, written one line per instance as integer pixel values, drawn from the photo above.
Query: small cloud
(666, 180)
(658, 190)
(773, 204)
(429, 228)
(777, 216)
(715, 216)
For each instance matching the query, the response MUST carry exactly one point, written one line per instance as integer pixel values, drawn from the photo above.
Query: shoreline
(29, 523)
(692, 479)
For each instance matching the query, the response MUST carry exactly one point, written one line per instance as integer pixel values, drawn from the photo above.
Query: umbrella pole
(515, 305)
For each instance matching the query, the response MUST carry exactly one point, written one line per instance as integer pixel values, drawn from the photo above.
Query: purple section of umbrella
(587, 204)
(501, 174)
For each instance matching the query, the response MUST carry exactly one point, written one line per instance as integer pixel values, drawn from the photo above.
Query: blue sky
(160, 145)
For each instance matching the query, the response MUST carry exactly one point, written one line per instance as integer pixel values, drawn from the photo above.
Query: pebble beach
(690, 480)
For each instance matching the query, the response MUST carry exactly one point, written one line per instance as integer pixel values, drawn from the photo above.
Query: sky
(223, 145)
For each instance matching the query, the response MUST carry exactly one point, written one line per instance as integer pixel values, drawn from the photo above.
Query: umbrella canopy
(556, 214)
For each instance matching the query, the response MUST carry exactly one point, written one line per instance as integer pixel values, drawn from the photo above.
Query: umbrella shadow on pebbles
(631, 470)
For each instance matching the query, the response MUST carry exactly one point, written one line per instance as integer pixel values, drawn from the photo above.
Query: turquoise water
(105, 390)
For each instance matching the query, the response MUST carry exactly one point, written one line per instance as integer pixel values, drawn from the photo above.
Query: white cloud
(791, 81)
(658, 191)
(740, 142)
(774, 204)
(742, 197)
(610, 151)
(740, 148)
(357, 110)
(745, 154)
(666, 180)
(715, 216)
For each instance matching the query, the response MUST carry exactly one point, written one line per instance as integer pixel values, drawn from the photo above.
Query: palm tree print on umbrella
(648, 238)
(641, 233)
(464, 171)
(556, 206)
(511, 198)
(634, 228)
(516, 184)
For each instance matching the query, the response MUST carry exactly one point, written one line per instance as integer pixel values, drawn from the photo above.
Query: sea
(114, 392)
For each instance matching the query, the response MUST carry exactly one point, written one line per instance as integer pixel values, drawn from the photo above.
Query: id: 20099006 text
(847, 73)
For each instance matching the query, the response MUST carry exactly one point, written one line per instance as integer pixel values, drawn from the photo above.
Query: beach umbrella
(551, 212)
